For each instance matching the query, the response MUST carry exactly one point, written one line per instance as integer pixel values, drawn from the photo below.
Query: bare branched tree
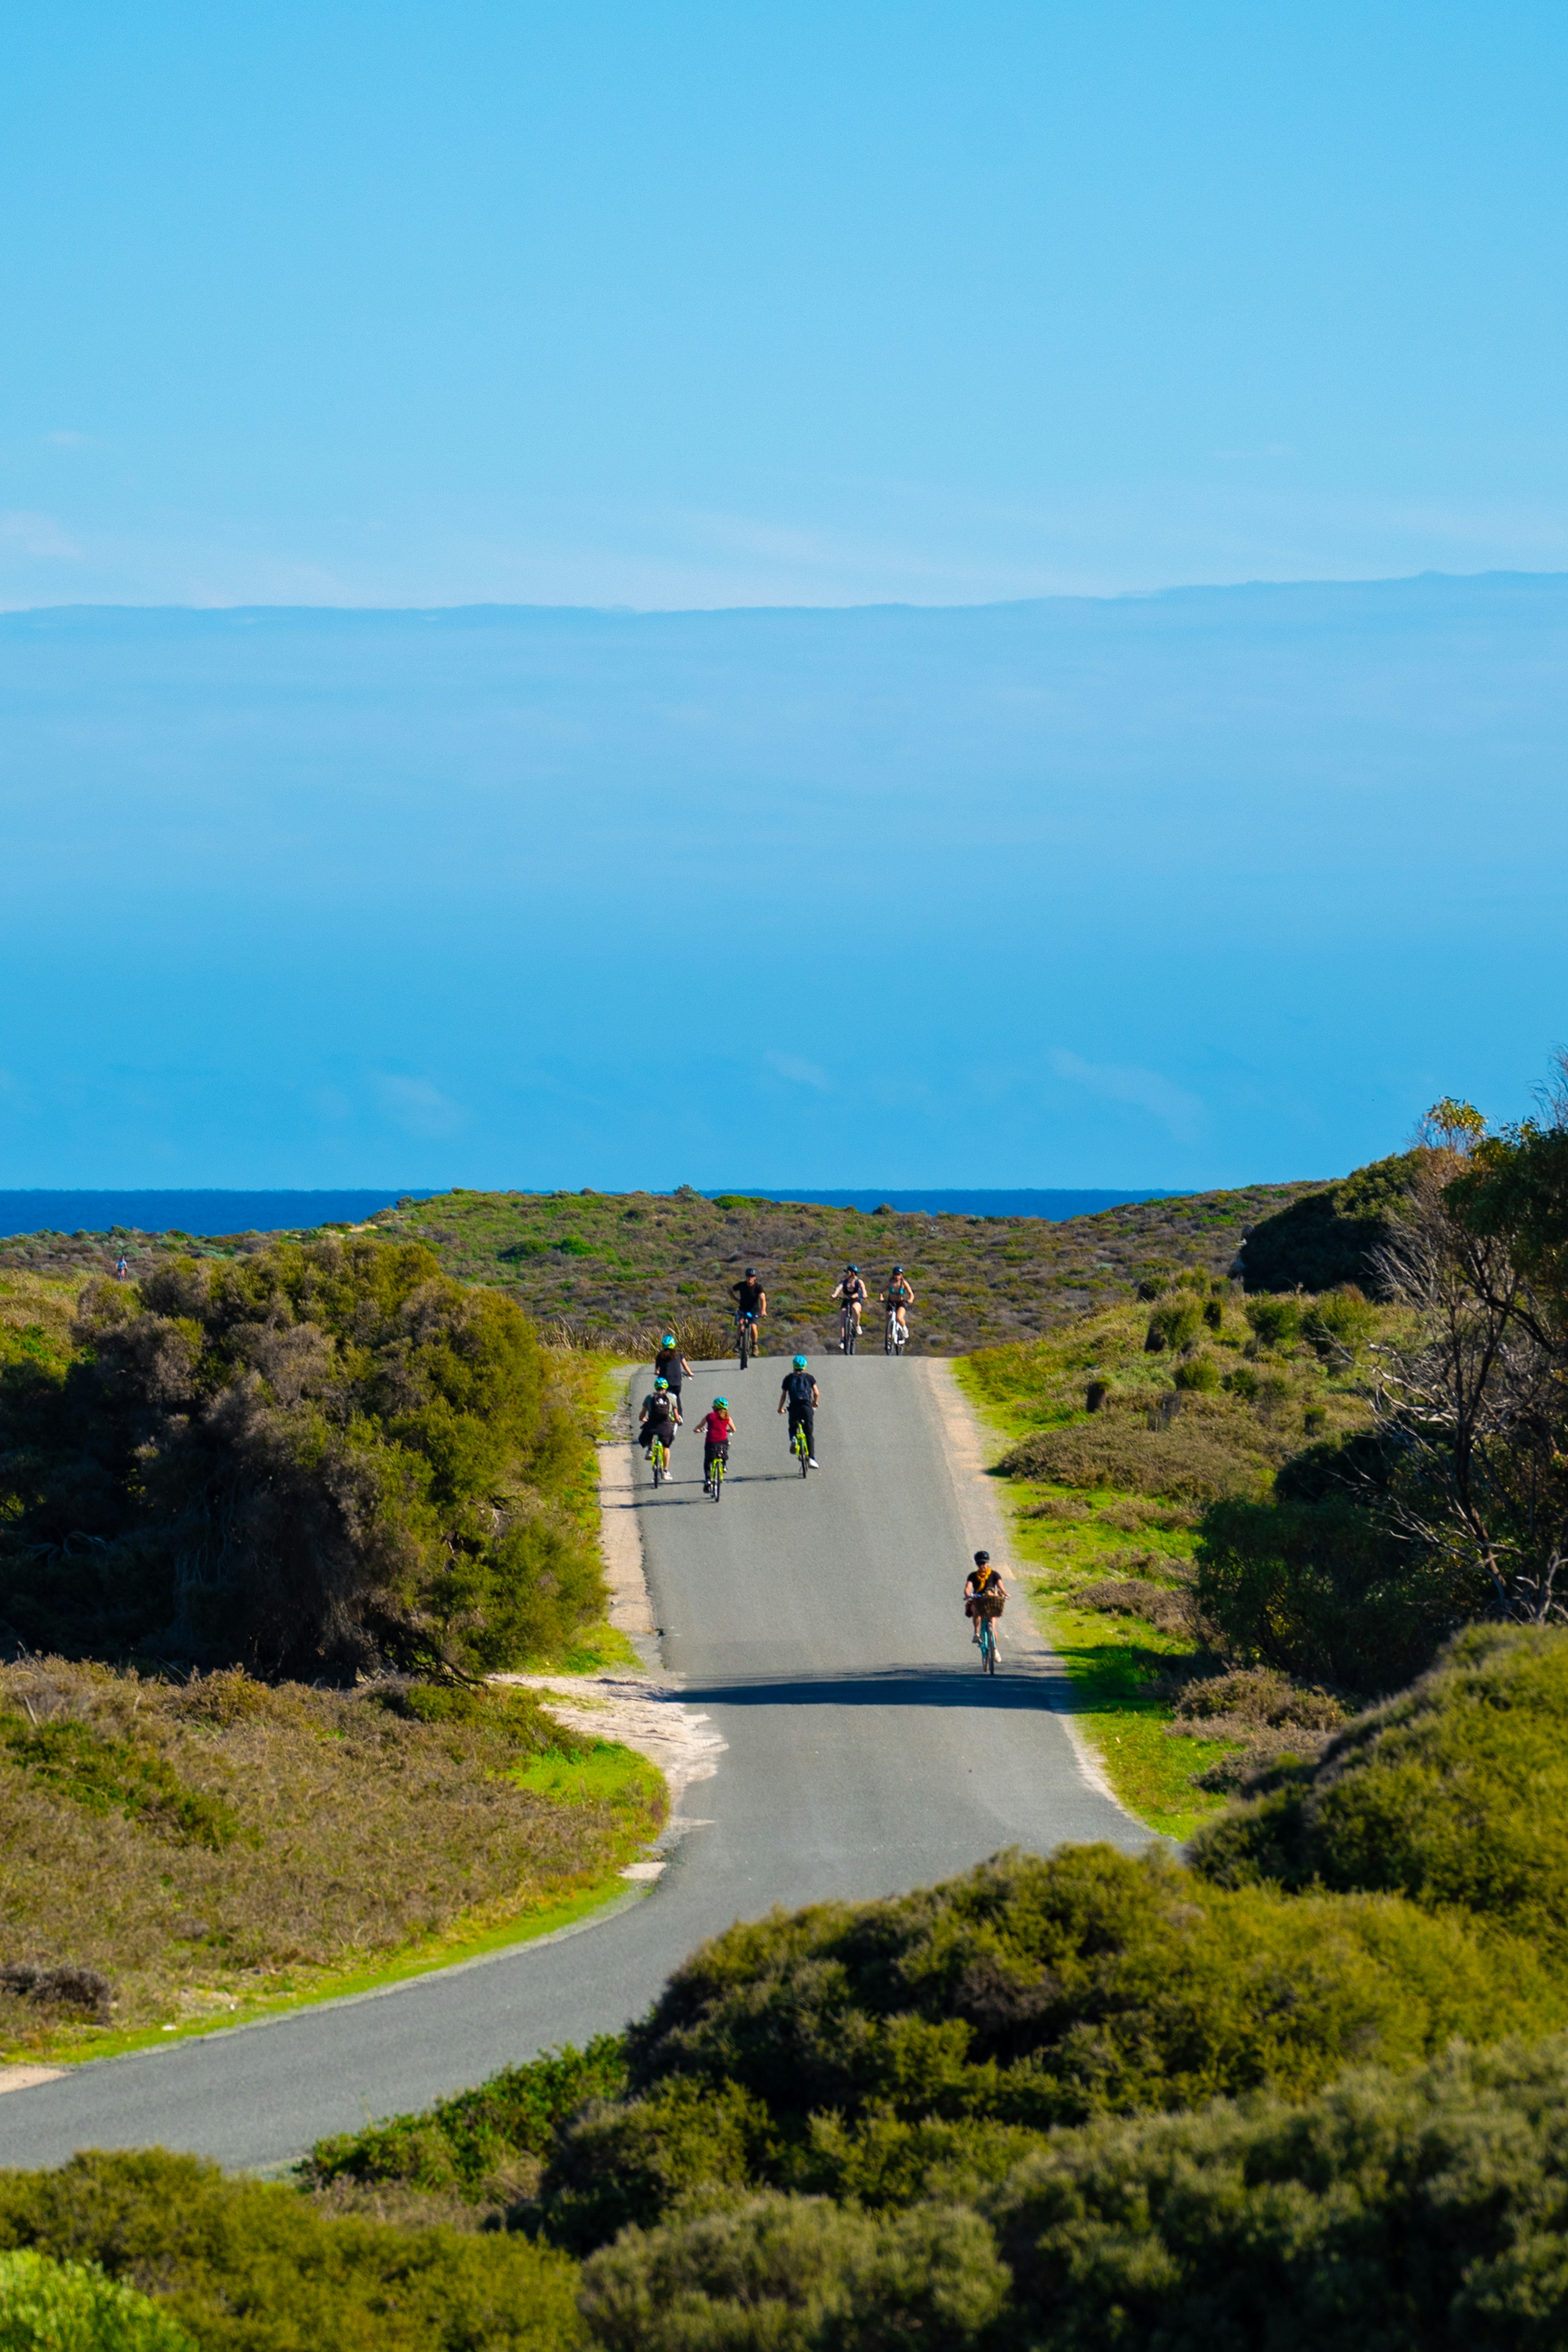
(1476, 1401)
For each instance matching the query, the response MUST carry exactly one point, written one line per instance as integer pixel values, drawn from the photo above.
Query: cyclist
(718, 1428)
(671, 1366)
(851, 1290)
(750, 1300)
(983, 1583)
(801, 1396)
(121, 1268)
(661, 1417)
(898, 1299)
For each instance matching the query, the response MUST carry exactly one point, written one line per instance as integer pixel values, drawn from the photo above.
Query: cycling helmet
(898, 1269)
(660, 1384)
(668, 1341)
(749, 1272)
(721, 1404)
(982, 1559)
(851, 1270)
(800, 1363)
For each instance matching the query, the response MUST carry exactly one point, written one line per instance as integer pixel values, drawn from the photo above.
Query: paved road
(817, 1623)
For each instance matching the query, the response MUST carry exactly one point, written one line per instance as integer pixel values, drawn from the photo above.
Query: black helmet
(981, 1559)
(898, 1269)
(750, 1270)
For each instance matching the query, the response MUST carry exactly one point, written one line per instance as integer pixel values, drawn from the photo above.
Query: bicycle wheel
(887, 1335)
(745, 1337)
(987, 1647)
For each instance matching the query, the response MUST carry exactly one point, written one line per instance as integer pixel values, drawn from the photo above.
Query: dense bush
(47, 2306)
(1024, 1996)
(1454, 1794)
(244, 2267)
(1383, 2213)
(310, 1459)
(1332, 1236)
(1177, 1319)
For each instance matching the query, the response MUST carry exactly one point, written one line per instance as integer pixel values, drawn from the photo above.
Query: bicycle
(896, 1338)
(849, 1329)
(748, 1338)
(717, 1476)
(801, 1450)
(659, 1460)
(987, 1646)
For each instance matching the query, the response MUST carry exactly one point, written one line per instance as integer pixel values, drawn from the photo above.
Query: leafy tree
(312, 1459)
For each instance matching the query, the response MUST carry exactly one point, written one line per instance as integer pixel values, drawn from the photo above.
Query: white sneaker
(812, 1463)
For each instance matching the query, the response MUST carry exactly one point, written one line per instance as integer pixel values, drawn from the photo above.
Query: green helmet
(660, 1384)
(668, 1341)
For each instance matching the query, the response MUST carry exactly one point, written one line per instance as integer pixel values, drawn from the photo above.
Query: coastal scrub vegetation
(320, 1458)
(263, 1840)
(614, 1269)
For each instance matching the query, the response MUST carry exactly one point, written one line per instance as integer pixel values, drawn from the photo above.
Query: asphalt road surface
(818, 1624)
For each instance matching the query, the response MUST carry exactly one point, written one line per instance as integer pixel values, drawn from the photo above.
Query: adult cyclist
(750, 1303)
(718, 1428)
(851, 1291)
(984, 1593)
(661, 1417)
(800, 1397)
(670, 1366)
(898, 1299)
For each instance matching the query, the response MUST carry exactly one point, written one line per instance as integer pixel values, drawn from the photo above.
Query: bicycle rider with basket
(984, 1594)
(800, 1397)
(849, 1290)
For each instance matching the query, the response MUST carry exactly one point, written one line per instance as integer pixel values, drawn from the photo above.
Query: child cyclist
(718, 1428)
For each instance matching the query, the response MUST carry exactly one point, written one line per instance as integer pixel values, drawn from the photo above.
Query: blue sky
(670, 305)
(692, 315)
(1214, 884)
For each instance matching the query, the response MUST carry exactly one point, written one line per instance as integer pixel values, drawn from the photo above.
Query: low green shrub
(472, 2142)
(788, 2273)
(1028, 1994)
(242, 2266)
(1383, 2213)
(1338, 1325)
(1454, 1795)
(1273, 1321)
(49, 2306)
(1177, 1319)
(1200, 1375)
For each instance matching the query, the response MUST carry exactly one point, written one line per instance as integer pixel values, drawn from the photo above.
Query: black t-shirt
(749, 1295)
(667, 1366)
(798, 1387)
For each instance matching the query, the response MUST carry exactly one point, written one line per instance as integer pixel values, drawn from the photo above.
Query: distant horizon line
(878, 605)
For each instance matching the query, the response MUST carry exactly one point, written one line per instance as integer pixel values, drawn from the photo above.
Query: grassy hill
(610, 1264)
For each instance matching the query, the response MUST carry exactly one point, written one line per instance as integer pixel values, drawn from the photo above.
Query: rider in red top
(718, 1428)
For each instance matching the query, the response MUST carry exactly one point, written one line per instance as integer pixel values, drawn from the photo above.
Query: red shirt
(718, 1428)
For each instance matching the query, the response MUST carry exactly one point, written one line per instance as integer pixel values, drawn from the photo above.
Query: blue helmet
(800, 1363)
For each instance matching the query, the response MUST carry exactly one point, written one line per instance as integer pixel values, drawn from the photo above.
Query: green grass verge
(1111, 1663)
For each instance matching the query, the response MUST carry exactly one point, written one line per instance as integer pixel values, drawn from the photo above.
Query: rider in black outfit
(801, 1396)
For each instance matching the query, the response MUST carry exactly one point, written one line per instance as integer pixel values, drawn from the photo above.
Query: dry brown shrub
(1255, 1696)
(1261, 1749)
(1168, 1611)
(1198, 1458)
